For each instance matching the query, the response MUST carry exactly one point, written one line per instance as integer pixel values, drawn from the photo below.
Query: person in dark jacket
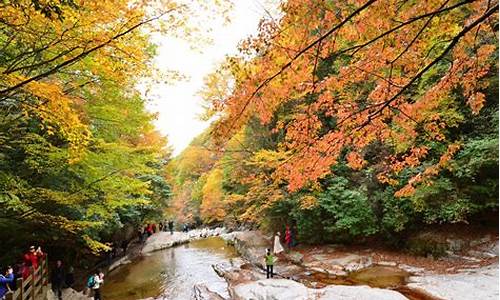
(70, 277)
(5, 281)
(171, 226)
(57, 279)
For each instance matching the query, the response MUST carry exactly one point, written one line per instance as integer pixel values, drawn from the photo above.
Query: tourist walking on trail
(57, 279)
(269, 263)
(171, 226)
(94, 283)
(5, 281)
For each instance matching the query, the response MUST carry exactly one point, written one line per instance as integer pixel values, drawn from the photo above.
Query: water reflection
(172, 272)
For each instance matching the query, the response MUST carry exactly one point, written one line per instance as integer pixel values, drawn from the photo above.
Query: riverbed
(171, 272)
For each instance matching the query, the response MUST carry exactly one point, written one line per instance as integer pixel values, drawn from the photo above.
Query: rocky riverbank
(326, 272)
(338, 272)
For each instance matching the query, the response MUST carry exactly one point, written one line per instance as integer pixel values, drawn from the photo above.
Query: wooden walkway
(31, 288)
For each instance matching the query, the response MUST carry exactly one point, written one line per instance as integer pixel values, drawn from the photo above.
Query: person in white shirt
(98, 281)
(278, 248)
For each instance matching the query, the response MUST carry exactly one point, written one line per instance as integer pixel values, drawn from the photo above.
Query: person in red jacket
(32, 259)
(288, 237)
(149, 229)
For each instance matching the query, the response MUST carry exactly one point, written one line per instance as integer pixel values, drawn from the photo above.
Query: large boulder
(345, 292)
(164, 240)
(251, 245)
(283, 289)
(339, 266)
(237, 272)
(479, 283)
(201, 292)
(270, 289)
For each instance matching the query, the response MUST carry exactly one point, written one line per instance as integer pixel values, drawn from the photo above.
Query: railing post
(19, 285)
(41, 276)
(47, 268)
(32, 283)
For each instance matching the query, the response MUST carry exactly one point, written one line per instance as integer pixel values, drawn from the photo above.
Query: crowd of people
(31, 261)
(60, 276)
(151, 228)
(270, 257)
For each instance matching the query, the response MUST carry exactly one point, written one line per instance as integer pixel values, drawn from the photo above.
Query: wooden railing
(32, 287)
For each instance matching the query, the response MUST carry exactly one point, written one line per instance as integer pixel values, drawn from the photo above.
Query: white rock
(387, 263)
(164, 240)
(283, 289)
(411, 269)
(271, 289)
(344, 292)
(475, 284)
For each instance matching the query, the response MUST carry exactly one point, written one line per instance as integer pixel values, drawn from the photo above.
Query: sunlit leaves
(395, 70)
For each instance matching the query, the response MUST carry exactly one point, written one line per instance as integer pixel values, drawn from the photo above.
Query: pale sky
(179, 105)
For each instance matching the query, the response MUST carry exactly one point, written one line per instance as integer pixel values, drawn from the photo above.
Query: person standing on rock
(277, 247)
(269, 263)
(288, 238)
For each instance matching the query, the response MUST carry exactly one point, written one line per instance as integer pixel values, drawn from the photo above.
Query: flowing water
(171, 273)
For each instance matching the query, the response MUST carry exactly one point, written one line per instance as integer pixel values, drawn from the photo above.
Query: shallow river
(172, 272)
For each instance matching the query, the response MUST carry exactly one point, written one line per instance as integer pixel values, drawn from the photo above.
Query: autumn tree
(80, 157)
(389, 90)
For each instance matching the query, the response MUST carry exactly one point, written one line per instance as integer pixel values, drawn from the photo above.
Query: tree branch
(79, 56)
